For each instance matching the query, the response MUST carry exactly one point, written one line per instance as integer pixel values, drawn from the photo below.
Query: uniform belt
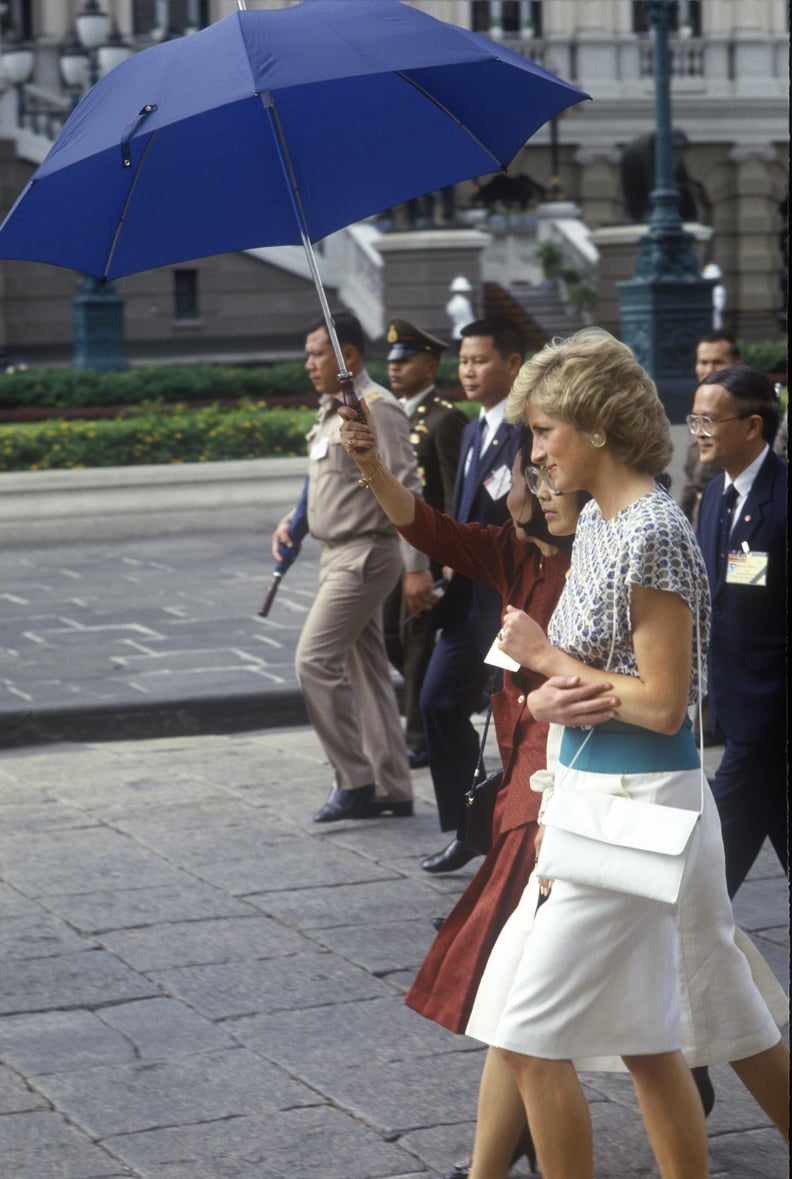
(342, 540)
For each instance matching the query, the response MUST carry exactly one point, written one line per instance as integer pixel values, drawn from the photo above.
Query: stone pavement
(149, 636)
(199, 983)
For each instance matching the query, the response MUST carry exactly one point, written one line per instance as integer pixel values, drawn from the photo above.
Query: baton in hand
(298, 527)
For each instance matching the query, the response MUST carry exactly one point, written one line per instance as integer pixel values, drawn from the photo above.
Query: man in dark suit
(436, 427)
(742, 532)
(490, 354)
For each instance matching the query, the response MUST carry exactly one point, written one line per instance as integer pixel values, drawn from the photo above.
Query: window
(16, 17)
(173, 15)
(511, 15)
(683, 12)
(185, 294)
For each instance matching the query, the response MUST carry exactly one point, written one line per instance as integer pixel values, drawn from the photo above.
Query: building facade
(730, 110)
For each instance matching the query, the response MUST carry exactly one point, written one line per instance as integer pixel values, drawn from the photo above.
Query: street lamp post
(98, 311)
(667, 307)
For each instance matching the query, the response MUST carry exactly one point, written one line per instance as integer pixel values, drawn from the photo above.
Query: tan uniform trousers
(343, 668)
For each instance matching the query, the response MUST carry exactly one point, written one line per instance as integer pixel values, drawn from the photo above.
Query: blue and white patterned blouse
(648, 543)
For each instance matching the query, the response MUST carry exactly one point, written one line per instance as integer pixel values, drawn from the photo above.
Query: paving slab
(43, 1145)
(300, 1144)
(204, 1087)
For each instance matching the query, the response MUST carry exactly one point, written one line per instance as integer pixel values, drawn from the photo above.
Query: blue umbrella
(275, 127)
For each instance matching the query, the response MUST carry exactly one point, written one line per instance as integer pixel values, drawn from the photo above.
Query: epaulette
(445, 404)
(372, 396)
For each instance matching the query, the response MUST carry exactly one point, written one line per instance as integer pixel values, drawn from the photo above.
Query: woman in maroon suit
(526, 560)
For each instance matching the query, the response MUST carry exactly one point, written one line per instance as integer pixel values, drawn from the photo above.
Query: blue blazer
(747, 659)
(468, 603)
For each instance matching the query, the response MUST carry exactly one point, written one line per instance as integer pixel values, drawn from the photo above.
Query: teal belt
(618, 748)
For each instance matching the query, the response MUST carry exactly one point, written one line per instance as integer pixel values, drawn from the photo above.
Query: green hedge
(170, 384)
(174, 384)
(197, 436)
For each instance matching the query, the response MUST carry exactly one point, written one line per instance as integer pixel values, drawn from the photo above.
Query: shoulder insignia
(372, 395)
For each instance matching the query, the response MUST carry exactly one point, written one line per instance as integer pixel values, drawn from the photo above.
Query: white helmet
(712, 270)
(460, 283)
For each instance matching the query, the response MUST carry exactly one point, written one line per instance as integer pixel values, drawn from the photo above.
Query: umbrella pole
(345, 379)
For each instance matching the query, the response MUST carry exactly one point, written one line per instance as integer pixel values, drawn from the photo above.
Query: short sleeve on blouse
(662, 553)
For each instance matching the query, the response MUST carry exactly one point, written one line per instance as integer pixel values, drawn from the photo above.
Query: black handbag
(478, 805)
(475, 828)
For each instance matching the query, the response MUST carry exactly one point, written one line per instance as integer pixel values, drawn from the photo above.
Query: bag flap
(612, 818)
(490, 785)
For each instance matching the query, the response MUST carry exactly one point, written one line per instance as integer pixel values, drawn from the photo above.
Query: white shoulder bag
(609, 841)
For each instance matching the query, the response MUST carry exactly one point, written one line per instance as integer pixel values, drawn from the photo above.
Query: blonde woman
(598, 973)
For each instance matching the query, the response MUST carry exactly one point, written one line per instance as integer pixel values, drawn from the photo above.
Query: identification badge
(498, 483)
(319, 449)
(498, 658)
(746, 569)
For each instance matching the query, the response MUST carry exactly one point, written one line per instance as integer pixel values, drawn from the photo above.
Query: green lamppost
(667, 307)
(98, 311)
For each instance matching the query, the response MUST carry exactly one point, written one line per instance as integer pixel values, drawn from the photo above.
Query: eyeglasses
(702, 423)
(536, 475)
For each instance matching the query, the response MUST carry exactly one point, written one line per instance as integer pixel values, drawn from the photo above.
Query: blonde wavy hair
(594, 382)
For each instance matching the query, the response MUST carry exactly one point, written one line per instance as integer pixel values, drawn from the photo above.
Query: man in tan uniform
(341, 661)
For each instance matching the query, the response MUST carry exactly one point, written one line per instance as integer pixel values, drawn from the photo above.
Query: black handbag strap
(478, 774)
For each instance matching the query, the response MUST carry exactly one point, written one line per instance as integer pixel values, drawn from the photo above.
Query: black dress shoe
(402, 809)
(450, 859)
(418, 759)
(704, 1085)
(438, 922)
(345, 804)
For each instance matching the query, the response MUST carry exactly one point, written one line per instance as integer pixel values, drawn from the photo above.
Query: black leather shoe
(438, 922)
(450, 859)
(418, 759)
(345, 804)
(704, 1085)
(460, 1171)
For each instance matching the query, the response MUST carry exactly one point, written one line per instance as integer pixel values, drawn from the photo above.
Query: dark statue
(637, 178)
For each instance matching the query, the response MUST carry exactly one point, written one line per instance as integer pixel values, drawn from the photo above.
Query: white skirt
(595, 975)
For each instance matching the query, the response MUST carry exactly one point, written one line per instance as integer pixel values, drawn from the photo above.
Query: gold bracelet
(367, 480)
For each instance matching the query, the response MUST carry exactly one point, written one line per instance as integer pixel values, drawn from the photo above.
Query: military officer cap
(407, 340)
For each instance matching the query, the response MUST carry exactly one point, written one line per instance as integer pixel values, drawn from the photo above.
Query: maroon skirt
(446, 985)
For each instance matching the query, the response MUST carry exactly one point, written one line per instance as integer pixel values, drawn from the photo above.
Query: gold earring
(597, 440)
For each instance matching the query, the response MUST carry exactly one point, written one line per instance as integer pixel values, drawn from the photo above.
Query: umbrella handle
(270, 595)
(347, 386)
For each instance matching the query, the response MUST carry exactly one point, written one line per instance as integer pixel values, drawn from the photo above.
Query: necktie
(471, 480)
(728, 500)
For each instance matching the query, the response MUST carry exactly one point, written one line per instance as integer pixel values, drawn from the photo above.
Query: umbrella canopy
(273, 127)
